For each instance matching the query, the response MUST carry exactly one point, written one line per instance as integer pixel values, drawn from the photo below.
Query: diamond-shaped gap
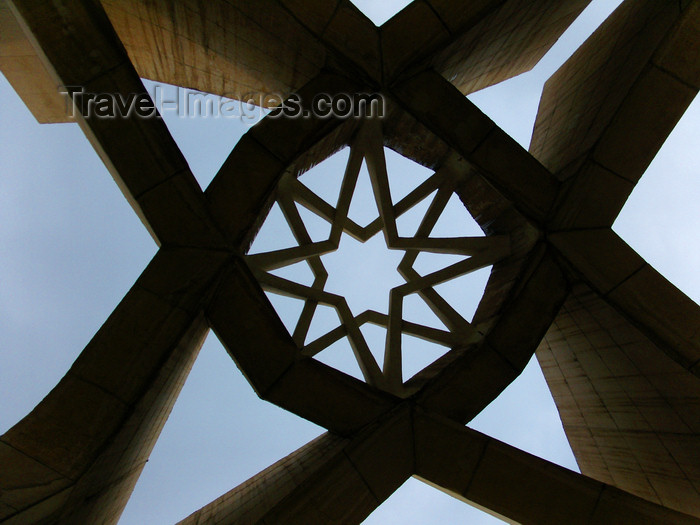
(191, 462)
(524, 415)
(275, 233)
(338, 355)
(405, 174)
(318, 228)
(205, 138)
(71, 247)
(325, 178)
(363, 208)
(380, 12)
(417, 353)
(417, 503)
(325, 319)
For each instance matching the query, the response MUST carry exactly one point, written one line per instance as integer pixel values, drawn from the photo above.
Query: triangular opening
(405, 174)
(340, 356)
(275, 233)
(408, 223)
(71, 245)
(376, 340)
(218, 421)
(325, 319)
(417, 354)
(416, 310)
(325, 178)
(417, 503)
(202, 127)
(525, 416)
(464, 293)
(380, 12)
(288, 309)
(319, 229)
(456, 221)
(299, 273)
(363, 207)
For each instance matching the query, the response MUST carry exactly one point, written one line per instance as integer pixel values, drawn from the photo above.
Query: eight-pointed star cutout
(477, 252)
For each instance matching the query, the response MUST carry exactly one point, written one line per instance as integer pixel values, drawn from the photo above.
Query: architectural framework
(618, 344)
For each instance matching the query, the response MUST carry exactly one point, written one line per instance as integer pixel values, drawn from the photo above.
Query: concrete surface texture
(618, 344)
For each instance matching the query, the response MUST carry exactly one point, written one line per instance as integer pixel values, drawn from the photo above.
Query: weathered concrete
(519, 487)
(609, 108)
(101, 421)
(621, 358)
(24, 70)
(631, 413)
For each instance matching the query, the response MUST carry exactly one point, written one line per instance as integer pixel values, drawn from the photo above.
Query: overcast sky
(71, 247)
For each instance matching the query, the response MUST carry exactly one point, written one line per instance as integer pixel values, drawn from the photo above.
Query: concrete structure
(619, 345)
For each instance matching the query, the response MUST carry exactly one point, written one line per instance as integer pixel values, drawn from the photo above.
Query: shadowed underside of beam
(622, 357)
(630, 412)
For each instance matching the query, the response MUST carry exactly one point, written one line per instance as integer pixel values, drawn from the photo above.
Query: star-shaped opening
(472, 253)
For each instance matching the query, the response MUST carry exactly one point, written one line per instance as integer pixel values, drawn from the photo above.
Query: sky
(71, 247)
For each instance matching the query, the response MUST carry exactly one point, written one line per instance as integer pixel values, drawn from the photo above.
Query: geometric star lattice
(479, 252)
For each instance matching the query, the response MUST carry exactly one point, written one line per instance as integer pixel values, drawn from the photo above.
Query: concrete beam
(77, 455)
(630, 412)
(615, 271)
(330, 480)
(81, 49)
(500, 160)
(473, 377)
(495, 40)
(233, 49)
(475, 45)
(24, 70)
(607, 111)
(519, 487)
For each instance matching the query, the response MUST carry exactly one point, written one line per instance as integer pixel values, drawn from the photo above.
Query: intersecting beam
(246, 182)
(659, 309)
(256, 339)
(502, 162)
(260, 51)
(607, 111)
(83, 53)
(470, 378)
(519, 487)
(330, 480)
(79, 452)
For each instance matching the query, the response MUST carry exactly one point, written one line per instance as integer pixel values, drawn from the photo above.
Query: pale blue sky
(71, 246)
